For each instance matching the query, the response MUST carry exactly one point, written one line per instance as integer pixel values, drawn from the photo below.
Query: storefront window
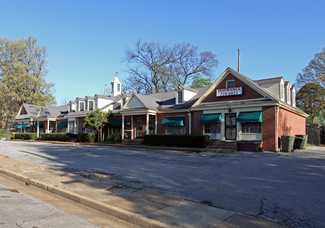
(212, 128)
(251, 127)
(175, 130)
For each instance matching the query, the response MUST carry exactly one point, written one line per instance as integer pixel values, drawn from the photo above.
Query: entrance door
(138, 128)
(231, 123)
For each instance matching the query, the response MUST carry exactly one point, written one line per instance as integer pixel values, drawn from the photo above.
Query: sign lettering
(229, 91)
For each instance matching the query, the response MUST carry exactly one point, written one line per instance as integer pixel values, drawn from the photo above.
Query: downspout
(189, 123)
(277, 127)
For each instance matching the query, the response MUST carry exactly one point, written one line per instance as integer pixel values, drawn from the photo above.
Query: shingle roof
(54, 111)
(32, 110)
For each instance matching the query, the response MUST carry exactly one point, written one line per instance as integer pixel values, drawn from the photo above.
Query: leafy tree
(314, 72)
(201, 82)
(154, 67)
(96, 119)
(311, 99)
(22, 76)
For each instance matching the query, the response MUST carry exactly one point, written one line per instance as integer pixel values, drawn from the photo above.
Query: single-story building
(235, 108)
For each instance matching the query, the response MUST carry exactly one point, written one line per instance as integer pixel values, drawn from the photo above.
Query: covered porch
(138, 123)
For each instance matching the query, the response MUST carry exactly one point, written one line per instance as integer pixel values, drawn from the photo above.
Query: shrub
(260, 149)
(197, 141)
(115, 138)
(25, 136)
(55, 136)
(88, 137)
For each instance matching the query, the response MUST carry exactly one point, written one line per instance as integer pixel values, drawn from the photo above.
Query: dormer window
(96, 104)
(180, 97)
(91, 105)
(77, 106)
(230, 84)
(82, 106)
(118, 87)
(112, 88)
(124, 100)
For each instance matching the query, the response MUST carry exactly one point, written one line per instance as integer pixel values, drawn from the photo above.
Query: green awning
(115, 123)
(40, 125)
(173, 121)
(62, 125)
(211, 118)
(26, 125)
(17, 126)
(250, 117)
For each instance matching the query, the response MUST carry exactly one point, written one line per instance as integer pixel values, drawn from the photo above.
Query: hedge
(87, 137)
(55, 136)
(197, 141)
(115, 138)
(24, 136)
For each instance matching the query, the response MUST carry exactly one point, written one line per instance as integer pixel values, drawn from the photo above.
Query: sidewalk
(139, 206)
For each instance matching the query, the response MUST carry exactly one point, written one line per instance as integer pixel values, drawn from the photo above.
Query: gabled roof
(54, 111)
(166, 100)
(31, 111)
(241, 77)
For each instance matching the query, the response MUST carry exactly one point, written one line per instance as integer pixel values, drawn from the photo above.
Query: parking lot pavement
(20, 210)
(282, 187)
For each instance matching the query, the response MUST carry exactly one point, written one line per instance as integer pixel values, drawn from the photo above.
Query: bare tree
(189, 63)
(148, 64)
(154, 67)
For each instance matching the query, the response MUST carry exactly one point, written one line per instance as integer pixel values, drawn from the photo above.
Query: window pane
(180, 97)
(230, 84)
(91, 105)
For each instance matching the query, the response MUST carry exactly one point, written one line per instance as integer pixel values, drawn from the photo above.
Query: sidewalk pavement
(142, 207)
(20, 210)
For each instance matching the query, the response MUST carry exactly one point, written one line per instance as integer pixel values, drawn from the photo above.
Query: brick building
(234, 108)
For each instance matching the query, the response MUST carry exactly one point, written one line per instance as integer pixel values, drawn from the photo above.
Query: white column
(56, 126)
(156, 124)
(75, 126)
(147, 124)
(189, 123)
(37, 128)
(48, 126)
(122, 136)
(132, 137)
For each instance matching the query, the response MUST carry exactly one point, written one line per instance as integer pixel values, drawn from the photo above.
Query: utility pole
(238, 61)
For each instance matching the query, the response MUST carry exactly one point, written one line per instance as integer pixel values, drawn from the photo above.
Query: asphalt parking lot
(283, 187)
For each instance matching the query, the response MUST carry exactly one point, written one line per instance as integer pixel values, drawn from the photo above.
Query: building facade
(234, 108)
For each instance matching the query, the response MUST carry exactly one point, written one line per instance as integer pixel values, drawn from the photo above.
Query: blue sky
(86, 40)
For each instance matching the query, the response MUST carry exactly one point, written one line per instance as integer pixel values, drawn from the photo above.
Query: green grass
(5, 134)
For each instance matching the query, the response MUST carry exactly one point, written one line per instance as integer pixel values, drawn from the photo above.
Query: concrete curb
(128, 216)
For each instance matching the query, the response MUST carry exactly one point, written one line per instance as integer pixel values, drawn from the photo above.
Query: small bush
(88, 137)
(55, 136)
(25, 136)
(115, 138)
(197, 141)
(260, 149)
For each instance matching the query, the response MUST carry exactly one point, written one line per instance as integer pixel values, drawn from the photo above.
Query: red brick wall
(161, 117)
(269, 128)
(291, 124)
(248, 92)
(197, 127)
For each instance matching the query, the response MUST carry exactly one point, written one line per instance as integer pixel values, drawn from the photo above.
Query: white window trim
(80, 106)
(182, 97)
(88, 106)
(230, 81)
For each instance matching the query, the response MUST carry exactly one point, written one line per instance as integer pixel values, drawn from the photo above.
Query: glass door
(139, 128)
(231, 122)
